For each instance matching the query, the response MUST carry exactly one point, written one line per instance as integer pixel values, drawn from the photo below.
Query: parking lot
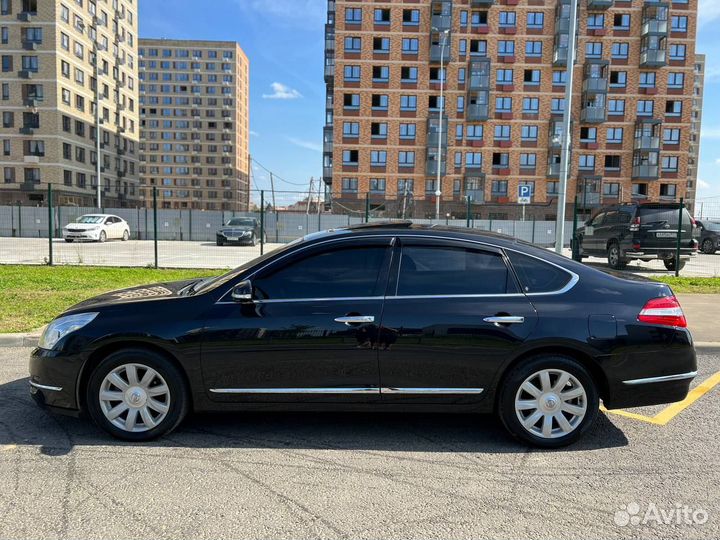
(357, 475)
(182, 254)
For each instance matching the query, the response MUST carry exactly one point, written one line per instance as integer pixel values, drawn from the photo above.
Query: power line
(277, 177)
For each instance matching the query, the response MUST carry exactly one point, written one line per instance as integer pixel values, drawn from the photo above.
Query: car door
(309, 333)
(453, 315)
(592, 239)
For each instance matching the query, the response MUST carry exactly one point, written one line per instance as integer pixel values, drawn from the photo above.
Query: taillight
(635, 225)
(665, 311)
(636, 246)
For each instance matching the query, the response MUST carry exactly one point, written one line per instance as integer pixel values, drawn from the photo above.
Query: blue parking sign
(524, 194)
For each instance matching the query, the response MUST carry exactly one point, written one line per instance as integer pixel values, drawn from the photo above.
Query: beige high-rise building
(49, 81)
(194, 124)
(695, 128)
(501, 66)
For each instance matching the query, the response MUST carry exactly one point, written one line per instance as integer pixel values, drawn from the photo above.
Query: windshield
(214, 282)
(241, 222)
(712, 225)
(91, 219)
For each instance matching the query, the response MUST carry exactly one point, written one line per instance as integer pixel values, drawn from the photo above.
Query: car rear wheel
(708, 246)
(137, 395)
(548, 401)
(670, 264)
(614, 257)
(69, 240)
(219, 242)
(126, 235)
(102, 237)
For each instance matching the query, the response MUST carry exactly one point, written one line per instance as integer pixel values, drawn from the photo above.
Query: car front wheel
(614, 257)
(137, 395)
(102, 237)
(670, 264)
(708, 247)
(548, 401)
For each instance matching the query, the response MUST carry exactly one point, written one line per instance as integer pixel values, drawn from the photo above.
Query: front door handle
(355, 319)
(499, 320)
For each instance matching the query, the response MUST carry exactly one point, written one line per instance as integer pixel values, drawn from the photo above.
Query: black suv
(709, 235)
(647, 231)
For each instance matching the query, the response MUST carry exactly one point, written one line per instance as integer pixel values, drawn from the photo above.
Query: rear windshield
(662, 215)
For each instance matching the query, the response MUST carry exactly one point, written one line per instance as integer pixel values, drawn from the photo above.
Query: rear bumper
(649, 255)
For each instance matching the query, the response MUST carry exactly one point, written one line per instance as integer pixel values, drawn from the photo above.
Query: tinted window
(537, 276)
(426, 270)
(340, 273)
(662, 215)
(611, 218)
(597, 220)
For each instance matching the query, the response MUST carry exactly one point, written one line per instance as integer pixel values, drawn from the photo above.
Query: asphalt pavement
(289, 475)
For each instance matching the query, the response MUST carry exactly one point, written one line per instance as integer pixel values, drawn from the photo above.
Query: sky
(284, 40)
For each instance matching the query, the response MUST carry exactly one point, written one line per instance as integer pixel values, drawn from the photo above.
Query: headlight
(62, 326)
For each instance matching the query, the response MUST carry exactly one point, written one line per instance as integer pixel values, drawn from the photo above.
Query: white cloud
(708, 11)
(702, 184)
(254, 133)
(308, 145)
(282, 91)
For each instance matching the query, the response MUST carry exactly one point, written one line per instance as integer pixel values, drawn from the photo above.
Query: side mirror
(242, 292)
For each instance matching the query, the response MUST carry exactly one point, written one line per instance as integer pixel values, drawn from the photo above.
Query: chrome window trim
(574, 278)
(435, 391)
(45, 387)
(349, 390)
(663, 378)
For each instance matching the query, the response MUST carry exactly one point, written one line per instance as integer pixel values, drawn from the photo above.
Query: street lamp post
(565, 133)
(438, 191)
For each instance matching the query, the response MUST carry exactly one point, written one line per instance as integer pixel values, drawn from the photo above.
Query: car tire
(142, 411)
(103, 237)
(69, 240)
(708, 246)
(614, 257)
(219, 242)
(670, 264)
(253, 240)
(562, 412)
(126, 235)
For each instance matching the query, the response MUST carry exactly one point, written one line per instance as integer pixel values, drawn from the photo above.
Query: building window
(408, 74)
(410, 45)
(5, 7)
(647, 79)
(353, 44)
(408, 103)
(531, 77)
(478, 47)
(382, 16)
(503, 104)
(501, 160)
(351, 73)
(528, 161)
(474, 132)
(593, 49)
(9, 175)
(378, 158)
(533, 49)
(407, 131)
(611, 189)
(668, 190)
(620, 50)
(670, 164)
(671, 136)
(350, 184)
(406, 159)
(504, 76)
(673, 108)
(679, 23)
(478, 18)
(379, 130)
(499, 188)
(508, 19)
(379, 102)
(381, 73)
(350, 157)
(612, 163)
(618, 79)
(506, 48)
(588, 134)
(473, 160)
(7, 63)
(615, 135)
(529, 133)
(8, 119)
(351, 129)
(621, 21)
(535, 19)
(377, 185)
(595, 21)
(676, 80)
(411, 17)
(645, 107)
(502, 133)
(381, 45)
(677, 51)
(557, 105)
(33, 35)
(559, 78)
(586, 163)
(616, 107)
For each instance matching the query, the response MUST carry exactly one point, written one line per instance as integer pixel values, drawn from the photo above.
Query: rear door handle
(355, 319)
(504, 319)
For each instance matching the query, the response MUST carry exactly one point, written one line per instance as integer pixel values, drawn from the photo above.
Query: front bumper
(240, 238)
(86, 235)
(53, 379)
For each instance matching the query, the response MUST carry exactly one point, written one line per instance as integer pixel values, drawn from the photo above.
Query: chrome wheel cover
(134, 398)
(551, 403)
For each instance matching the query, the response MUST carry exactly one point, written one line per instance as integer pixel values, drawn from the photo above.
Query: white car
(97, 228)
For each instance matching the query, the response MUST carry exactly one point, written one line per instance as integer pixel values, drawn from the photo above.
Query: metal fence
(186, 238)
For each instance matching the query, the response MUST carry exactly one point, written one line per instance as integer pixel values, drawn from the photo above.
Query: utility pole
(310, 191)
(405, 194)
(565, 135)
(438, 190)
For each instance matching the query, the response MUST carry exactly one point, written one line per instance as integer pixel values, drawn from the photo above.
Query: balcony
(647, 142)
(27, 130)
(646, 172)
(441, 17)
(329, 72)
(432, 164)
(560, 56)
(30, 45)
(25, 74)
(653, 58)
(562, 25)
(328, 173)
(479, 75)
(476, 196)
(26, 16)
(328, 140)
(553, 169)
(597, 85)
(595, 5)
(438, 53)
(477, 112)
(593, 114)
(29, 185)
(481, 3)
(441, 22)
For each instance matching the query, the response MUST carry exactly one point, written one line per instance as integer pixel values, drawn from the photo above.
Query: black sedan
(385, 317)
(239, 230)
(709, 235)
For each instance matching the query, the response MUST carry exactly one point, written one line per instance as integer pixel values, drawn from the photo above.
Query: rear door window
(537, 276)
(448, 271)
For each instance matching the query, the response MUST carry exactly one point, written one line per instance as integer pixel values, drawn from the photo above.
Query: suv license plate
(666, 234)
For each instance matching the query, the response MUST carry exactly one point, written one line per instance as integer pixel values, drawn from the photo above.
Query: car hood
(83, 226)
(142, 293)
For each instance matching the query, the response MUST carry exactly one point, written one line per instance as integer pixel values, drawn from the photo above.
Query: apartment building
(59, 59)
(502, 69)
(194, 124)
(695, 128)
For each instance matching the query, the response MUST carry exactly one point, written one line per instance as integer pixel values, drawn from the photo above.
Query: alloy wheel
(708, 246)
(134, 398)
(551, 403)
